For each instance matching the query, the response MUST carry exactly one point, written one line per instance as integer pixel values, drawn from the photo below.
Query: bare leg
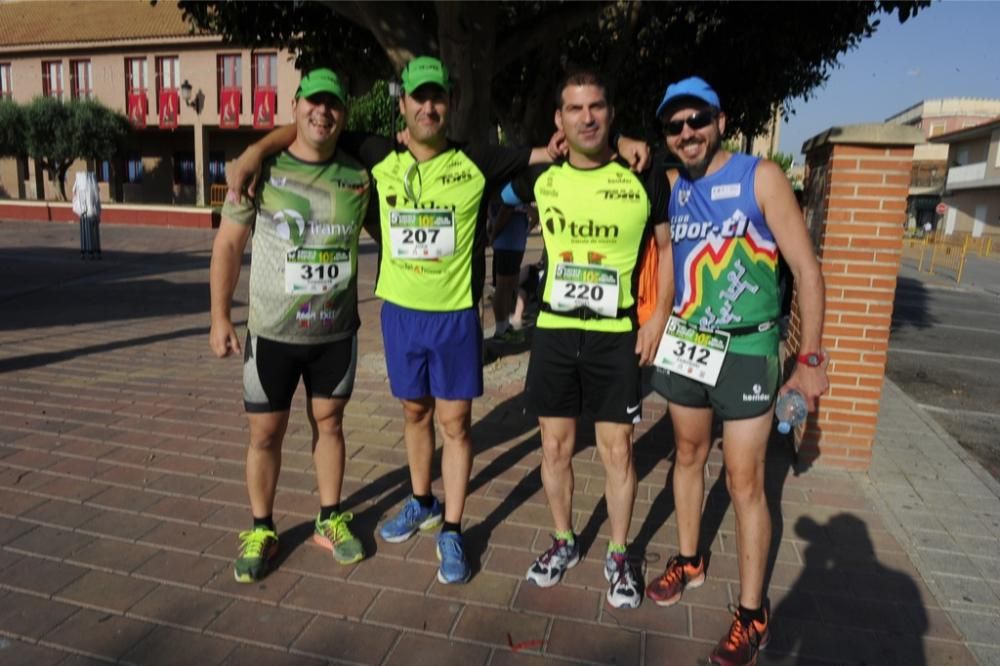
(614, 443)
(264, 460)
(558, 439)
(693, 439)
(326, 416)
(418, 433)
(455, 419)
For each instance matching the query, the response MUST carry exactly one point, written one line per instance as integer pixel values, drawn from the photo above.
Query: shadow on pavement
(910, 305)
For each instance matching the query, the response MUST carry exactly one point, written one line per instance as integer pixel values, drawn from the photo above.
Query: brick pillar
(857, 181)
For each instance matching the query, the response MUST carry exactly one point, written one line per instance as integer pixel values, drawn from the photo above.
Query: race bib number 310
(422, 234)
(585, 286)
(310, 270)
(690, 352)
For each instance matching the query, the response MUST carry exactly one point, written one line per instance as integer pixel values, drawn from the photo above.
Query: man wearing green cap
(432, 263)
(305, 220)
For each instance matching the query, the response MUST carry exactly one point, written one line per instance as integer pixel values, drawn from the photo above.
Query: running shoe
(334, 535)
(454, 568)
(512, 336)
(549, 567)
(623, 591)
(742, 645)
(411, 517)
(668, 588)
(257, 548)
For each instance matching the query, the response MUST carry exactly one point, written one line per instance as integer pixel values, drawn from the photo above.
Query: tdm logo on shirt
(620, 195)
(555, 222)
(452, 178)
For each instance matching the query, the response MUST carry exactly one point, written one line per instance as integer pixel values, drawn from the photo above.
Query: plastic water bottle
(790, 411)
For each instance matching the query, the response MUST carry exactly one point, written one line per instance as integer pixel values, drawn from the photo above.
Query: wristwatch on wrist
(812, 359)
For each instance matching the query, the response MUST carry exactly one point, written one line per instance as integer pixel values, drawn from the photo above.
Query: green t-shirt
(304, 260)
(431, 217)
(595, 223)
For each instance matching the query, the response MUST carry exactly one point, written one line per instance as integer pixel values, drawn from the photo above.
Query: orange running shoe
(743, 643)
(668, 588)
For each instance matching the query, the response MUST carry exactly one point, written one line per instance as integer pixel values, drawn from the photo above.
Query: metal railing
(217, 195)
(947, 254)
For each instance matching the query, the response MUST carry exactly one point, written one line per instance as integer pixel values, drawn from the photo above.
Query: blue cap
(692, 86)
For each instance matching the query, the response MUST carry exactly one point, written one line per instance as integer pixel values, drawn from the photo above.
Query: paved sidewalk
(121, 491)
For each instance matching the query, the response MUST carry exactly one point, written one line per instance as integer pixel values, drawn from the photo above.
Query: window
(52, 80)
(80, 79)
(184, 171)
(133, 168)
(5, 90)
(168, 76)
(265, 72)
(216, 168)
(104, 171)
(230, 77)
(937, 128)
(136, 76)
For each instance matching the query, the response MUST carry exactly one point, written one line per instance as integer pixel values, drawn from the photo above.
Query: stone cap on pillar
(867, 134)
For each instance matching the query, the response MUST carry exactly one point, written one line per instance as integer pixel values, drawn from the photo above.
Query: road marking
(920, 352)
(991, 331)
(971, 412)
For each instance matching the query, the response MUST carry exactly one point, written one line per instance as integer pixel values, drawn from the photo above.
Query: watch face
(812, 360)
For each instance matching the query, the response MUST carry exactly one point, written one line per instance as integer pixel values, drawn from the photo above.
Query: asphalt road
(944, 352)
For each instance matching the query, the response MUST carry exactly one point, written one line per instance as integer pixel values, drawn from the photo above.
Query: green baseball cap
(321, 80)
(425, 69)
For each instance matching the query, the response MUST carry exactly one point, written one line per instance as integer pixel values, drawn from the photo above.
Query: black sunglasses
(695, 121)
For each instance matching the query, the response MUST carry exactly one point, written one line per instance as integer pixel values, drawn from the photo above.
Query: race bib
(422, 234)
(690, 352)
(317, 270)
(585, 286)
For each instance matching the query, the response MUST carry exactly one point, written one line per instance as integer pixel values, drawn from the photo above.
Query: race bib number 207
(422, 234)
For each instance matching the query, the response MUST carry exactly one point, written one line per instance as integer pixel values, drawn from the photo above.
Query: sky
(950, 49)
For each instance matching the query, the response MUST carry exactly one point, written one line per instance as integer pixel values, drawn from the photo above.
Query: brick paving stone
(109, 523)
(332, 597)
(40, 576)
(167, 646)
(523, 657)
(31, 617)
(112, 555)
(259, 623)
(13, 503)
(124, 499)
(13, 651)
(49, 541)
(11, 530)
(58, 513)
(559, 601)
(185, 486)
(258, 656)
(418, 650)
(414, 612)
(72, 489)
(649, 617)
(491, 625)
(593, 643)
(673, 650)
(180, 607)
(98, 633)
(106, 591)
(182, 509)
(179, 536)
(346, 640)
(270, 589)
(389, 572)
(180, 568)
(484, 588)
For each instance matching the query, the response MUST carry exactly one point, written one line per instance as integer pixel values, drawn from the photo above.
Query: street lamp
(191, 98)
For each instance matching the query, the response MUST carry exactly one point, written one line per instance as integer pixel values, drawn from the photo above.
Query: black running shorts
(746, 387)
(271, 371)
(572, 371)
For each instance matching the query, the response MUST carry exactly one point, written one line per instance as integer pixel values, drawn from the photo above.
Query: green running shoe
(333, 534)
(257, 548)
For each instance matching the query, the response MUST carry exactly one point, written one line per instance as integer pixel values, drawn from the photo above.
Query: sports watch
(812, 359)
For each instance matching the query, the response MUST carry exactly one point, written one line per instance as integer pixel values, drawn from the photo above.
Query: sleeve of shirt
(658, 189)
(498, 163)
(522, 186)
(369, 148)
(243, 211)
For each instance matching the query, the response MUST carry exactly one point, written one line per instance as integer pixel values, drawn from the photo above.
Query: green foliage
(375, 111)
(58, 133)
(12, 141)
(784, 160)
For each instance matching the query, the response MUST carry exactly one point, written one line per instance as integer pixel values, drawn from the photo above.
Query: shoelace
(337, 527)
(621, 568)
(454, 547)
(737, 631)
(674, 572)
(411, 511)
(252, 542)
(557, 544)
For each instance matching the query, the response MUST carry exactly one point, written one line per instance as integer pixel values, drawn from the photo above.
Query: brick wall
(856, 210)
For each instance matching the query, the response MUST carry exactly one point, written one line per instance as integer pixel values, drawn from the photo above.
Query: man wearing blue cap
(730, 215)
(303, 321)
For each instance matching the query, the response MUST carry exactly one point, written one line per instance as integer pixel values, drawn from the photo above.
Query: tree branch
(395, 26)
(522, 39)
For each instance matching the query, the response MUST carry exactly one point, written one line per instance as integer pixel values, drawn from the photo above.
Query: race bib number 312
(422, 234)
(585, 286)
(690, 352)
(310, 270)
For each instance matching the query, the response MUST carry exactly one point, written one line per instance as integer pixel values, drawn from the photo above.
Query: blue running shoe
(411, 517)
(454, 568)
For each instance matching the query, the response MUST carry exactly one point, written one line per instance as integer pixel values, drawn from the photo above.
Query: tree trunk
(467, 35)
